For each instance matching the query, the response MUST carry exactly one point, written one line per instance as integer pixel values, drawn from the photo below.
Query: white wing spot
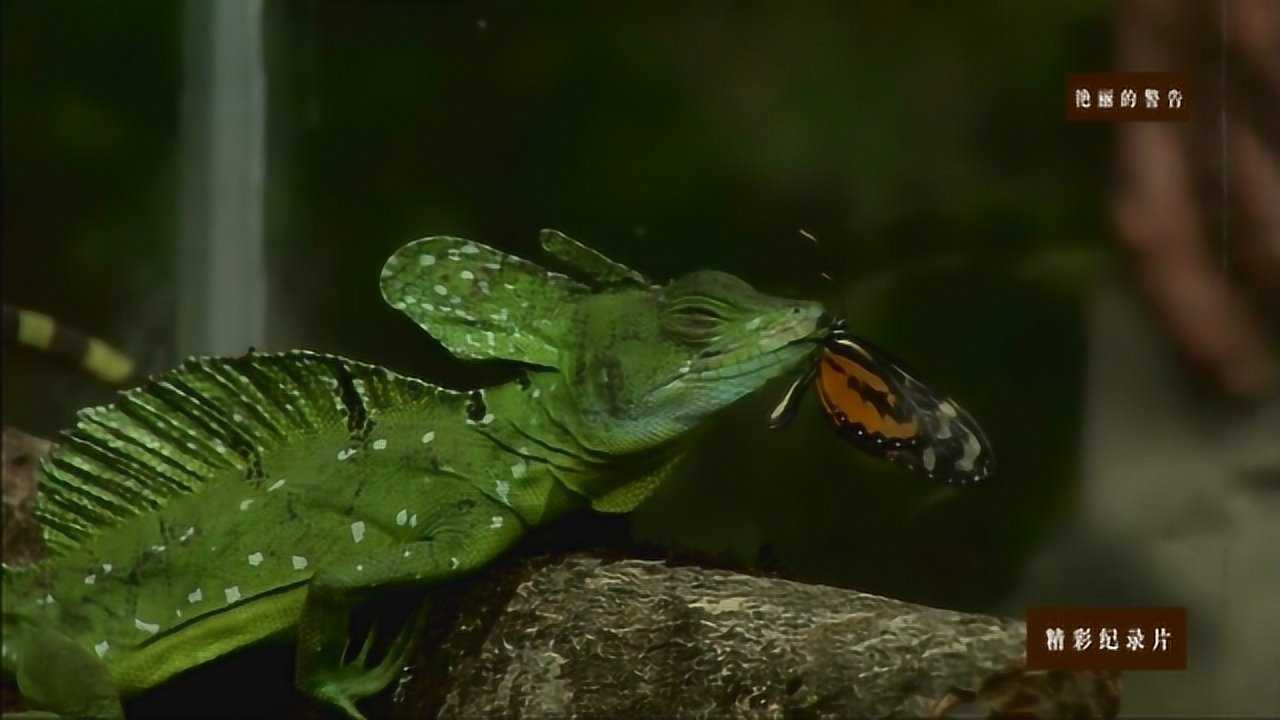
(453, 563)
(195, 596)
(106, 568)
(102, 648)
(244, 504)
(157, 548)
(90, 579)
(299, 562)
(232, 593)
(344, 454)
(276, 485)
(518, 470)
(503, 487)
(470, 249)
(255, 559)
(425, 260)
(972, 448)
(146, 627)
(428, 436)
(441, 290)
(413, 520)
(407, 553)
(402, 517)
(488, 418)
(380, 444)
(467, 275)
(495, 521)
(357, 530)
(186, 535)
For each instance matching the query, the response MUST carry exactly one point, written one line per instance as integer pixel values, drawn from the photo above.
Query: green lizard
(234, 500)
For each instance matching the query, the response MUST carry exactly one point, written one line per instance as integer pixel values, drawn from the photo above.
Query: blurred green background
(923, 145)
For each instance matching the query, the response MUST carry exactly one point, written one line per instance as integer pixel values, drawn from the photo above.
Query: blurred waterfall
(221, 259)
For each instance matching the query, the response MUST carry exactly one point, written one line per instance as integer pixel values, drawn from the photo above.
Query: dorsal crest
(209, 418)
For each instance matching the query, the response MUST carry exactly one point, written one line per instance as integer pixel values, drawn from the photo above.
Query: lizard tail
(39, 331)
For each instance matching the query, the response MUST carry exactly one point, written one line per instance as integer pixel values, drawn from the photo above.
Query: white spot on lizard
(518, 470)
(467, 275)
(503, 487)
(495, 521)
(299, 562)
(244, 504)
(344, 454)
(357, 530)
(425, 260)
(453, 563)
(413, 520)
(428, 436)
(402, 517)
(102, 648)
(441, 290)
(488, 418)
(255, 559)
(186, 535)
(195, 596)
(90, 579)
(276, 485)
(380, 444)
(232, 593)
(146, 627)
(106, 568)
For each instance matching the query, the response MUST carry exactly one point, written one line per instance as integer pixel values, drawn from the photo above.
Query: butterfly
(873, 401)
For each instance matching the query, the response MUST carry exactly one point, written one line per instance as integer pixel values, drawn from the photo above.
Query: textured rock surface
(581, 637)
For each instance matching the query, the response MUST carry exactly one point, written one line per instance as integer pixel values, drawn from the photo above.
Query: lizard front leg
(465, 533)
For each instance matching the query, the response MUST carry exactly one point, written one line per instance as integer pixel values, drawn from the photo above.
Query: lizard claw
(353, 680)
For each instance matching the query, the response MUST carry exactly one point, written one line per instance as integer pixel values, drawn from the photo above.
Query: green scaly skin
(234, 500)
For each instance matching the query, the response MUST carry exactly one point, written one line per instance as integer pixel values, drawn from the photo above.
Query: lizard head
(637, 364)
(654, 362)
